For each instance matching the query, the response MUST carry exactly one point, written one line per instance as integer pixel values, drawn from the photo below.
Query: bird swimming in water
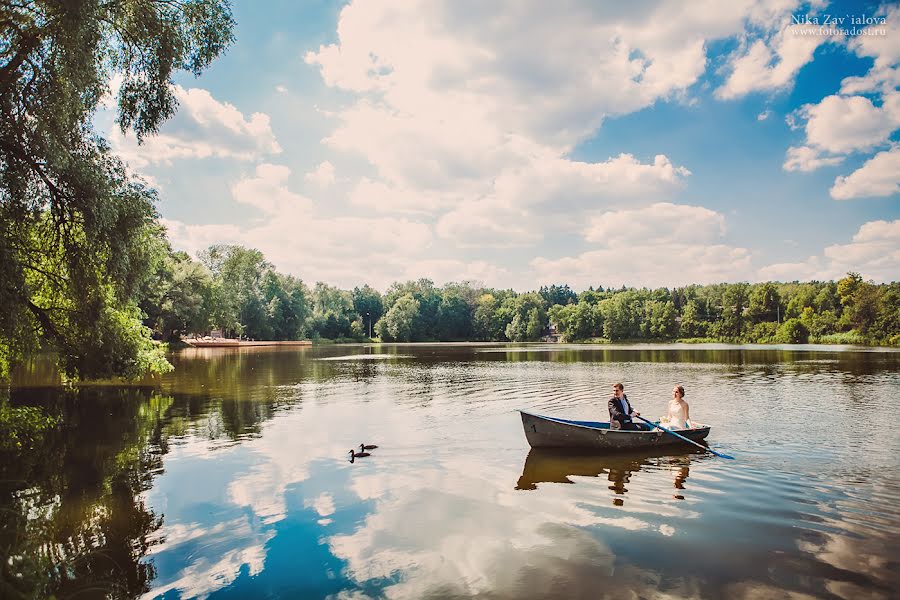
(354, 454)
(367, 447)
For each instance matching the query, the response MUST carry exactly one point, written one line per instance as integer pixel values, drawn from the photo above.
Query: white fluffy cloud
(474, 125)
(663, 244)
(874, 252)
(850, 122)
(805, 158)
(381, 197)
(203, 127)
(661, 223)
(322, 176)
(879, 176)
(299, 238)
(772, 65)
(841, 124)
(885, 49)
(553, 193)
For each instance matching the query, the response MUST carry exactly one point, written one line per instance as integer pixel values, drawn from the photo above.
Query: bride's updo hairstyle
(680, 390)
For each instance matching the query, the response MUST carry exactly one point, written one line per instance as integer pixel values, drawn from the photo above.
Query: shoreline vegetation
(232, 292)
(236, 293)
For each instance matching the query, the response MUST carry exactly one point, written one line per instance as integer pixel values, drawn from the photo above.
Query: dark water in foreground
(229, 478)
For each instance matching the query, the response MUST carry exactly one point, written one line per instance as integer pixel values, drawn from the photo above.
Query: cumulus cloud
(479, 63)
(382, 197)
(202, 127)
(322, 176)
(840, 124)
(874, 252)
(661, 223)
(772, 65)
(884, 75)
(475, 125)
(879, 176)
(805, 158)
(853, 122)
(663, 244)
(299, 238)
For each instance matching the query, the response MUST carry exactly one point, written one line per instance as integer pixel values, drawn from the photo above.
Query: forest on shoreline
(235, 291)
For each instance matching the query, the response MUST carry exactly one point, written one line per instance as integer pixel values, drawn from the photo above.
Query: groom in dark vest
(620, 411)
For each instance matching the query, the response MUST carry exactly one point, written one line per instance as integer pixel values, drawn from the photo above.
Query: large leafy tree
(239, 302)
(74, 225)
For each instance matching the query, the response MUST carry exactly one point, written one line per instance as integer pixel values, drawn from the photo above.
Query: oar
(681, 437)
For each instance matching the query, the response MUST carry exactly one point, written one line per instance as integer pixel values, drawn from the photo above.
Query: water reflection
(229, 478)
(74, 518)
(544, 465)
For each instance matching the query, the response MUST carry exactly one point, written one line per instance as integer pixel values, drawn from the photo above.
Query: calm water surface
(229, 478)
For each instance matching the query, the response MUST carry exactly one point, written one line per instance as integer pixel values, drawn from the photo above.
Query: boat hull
(551, 432)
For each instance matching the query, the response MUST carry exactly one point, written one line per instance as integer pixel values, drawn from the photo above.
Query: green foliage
(22, 427)
(692, 323)
(369, 306)
(842, 338)
(792, 331)
(764, 303)
(659, 320)
(177, 298)
(580, 321)
(734, 302)
(557, 294)
(528, 317)
(486, 322)
(75, 228)
(398, 324)
(763, 333)
(428, 297)
(622, 315)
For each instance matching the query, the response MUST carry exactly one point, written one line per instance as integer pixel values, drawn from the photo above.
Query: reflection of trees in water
(72, 520)
(71, 517)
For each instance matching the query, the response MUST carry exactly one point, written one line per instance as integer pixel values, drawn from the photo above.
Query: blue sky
(528, 143)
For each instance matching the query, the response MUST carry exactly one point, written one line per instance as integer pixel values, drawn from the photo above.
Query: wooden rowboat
(553, 432)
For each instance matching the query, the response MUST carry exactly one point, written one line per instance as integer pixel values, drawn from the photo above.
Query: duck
(354, 454)
(367, 447)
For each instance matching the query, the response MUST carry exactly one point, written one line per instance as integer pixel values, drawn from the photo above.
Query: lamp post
(370, 325)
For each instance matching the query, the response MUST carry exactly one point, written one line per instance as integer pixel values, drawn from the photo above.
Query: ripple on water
(366, 357)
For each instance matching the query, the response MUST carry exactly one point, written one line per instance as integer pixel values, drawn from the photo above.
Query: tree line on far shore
(236, 291)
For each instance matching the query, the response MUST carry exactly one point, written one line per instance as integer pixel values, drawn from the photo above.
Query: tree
(557, 294)
(368, 305)
(660, 320)
(528, 318)
(287, 306)
(454, 317)
(486, 324)
(240, 308)
(429, 299)
(622, 315)
(74, 224)
(792, 331)
(178, 298)
(734, 301)
(764, 303)
(692, 325)
(397, 324)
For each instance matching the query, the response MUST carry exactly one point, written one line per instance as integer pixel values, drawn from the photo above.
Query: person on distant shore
(620, 411)
(679, 416)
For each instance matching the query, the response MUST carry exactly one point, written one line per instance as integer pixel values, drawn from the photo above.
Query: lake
(230, 477)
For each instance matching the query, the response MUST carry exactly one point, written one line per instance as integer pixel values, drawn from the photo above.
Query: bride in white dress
(679, 412)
